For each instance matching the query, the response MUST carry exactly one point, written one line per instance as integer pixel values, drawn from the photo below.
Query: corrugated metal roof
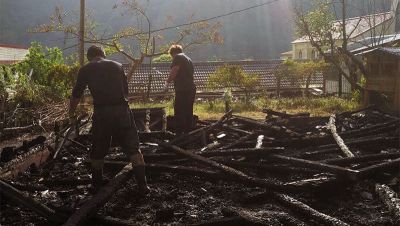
(370, 43)
(12, 54)
(395, 51)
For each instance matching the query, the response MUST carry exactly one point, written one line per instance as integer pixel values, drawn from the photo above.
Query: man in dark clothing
(112, 117)
(185, 90)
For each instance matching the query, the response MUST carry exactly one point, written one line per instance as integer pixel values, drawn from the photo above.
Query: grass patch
(214, 109)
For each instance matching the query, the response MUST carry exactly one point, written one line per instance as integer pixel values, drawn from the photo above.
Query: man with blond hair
(181, 74)
(112, 118)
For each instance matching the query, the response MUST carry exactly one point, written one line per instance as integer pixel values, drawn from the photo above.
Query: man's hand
(166, 87)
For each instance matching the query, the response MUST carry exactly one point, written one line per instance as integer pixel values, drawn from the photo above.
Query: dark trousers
(183, 109)
(117, 123)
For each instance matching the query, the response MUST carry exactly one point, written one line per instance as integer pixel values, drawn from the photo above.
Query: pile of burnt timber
(285, 170)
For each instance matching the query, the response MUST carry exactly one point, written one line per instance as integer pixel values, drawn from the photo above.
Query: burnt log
(390, 199)
(100, 198)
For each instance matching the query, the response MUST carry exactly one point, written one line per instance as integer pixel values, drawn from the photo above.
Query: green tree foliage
(164, 58)
(43, 76)
(233, 77)
(302, 72)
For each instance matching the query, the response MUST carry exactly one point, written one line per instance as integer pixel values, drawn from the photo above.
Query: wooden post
(82, 33)
(151, 70)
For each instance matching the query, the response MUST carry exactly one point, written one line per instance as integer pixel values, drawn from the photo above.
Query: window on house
(300, 54)
(313, 55)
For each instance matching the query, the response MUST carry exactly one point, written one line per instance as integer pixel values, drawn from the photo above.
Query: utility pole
(82, 34)
(344, 44)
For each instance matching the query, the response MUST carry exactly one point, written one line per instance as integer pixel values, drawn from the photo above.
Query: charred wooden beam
(393, 165)
(282, 169)
(279, 130)
(35, 157)
(225, 169)
(231, 221)
(360, 159)
(370, 142)
(370, 130)
(20, 198)
(100, 198)
(390, 199)
(58, 149)
(236, 130)
(349, 173)
(308, 211)
(243, 152)
(283, 114)
(259, 143)
(343, 147)
(187, 138)
(269, 217)
(239, 141)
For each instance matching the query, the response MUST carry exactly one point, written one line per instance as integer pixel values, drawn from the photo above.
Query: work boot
(141, 180)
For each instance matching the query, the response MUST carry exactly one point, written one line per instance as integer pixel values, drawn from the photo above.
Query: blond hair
(175, 49)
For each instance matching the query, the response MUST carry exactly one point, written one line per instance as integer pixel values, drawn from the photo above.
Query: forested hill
(258, 33)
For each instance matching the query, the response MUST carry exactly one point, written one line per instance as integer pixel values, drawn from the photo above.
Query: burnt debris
(285, 170)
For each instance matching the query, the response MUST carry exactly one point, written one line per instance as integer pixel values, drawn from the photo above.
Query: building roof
(10, 54)
(265, 69)
(395, 51)
(371, 43)
(355, 26)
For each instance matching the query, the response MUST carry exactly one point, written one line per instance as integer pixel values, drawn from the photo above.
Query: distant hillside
(259, 33)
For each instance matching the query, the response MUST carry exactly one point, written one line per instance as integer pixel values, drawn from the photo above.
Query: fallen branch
(345, 150)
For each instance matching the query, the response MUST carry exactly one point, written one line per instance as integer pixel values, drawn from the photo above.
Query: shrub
(233, 77)
(41, 77)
